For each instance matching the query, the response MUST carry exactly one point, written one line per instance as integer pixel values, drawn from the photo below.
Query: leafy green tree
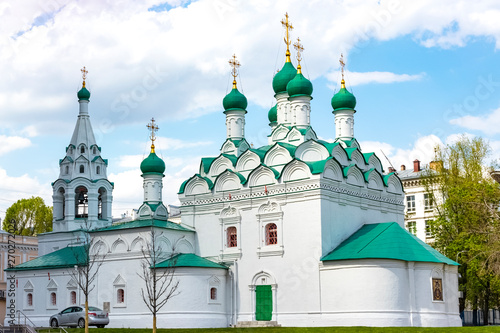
(28, 217)
(467, 225)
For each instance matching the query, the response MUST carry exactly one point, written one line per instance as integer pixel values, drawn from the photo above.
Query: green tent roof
(142, 224)
(189, 260)
(386, 241)
(63, 258)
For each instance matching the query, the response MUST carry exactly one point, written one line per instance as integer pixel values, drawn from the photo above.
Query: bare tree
(158, 271)
(89, 258)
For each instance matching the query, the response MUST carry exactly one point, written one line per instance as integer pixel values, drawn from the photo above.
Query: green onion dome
(273, 114)
(234, 100)
(285, 75)
(343, 99)
(83, 94)
(299, 86)
(152, 163)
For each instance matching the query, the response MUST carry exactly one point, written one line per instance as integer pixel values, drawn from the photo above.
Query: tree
(467, 225)
(158, 271)
(29, 217)
(89, 258)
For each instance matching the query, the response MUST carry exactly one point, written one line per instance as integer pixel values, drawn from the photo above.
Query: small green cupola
(235, 100)
(83, 94)
(273, 114)
(152, 163)
(299, 86)
(343, 99)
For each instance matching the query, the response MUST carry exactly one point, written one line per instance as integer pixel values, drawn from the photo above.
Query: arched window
(97, 169)
(82, 149)
(232, 237)
(99, 206)
(213, 293)
(66, 170)
(53, 298)
(72, 297)
(30, 299)
(271, 234)
(63, 208)
(94, 150)
(120, 296)
(81, 203)
(82, 169)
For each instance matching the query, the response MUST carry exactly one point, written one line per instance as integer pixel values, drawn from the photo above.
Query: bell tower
(82, 195)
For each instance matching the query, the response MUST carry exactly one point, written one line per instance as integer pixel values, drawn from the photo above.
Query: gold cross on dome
(234, 72)
(153, 128)
(84, 75)
(300, 48)
(342, 65)
(288, 27)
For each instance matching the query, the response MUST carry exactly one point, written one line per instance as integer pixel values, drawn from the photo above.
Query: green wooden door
(263, 303)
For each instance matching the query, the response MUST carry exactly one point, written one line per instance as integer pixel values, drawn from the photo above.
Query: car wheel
(53, 323)
(100, 326)
(81, 323)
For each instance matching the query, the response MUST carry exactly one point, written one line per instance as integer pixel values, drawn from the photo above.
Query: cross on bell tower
(153, 128)
(234, 71)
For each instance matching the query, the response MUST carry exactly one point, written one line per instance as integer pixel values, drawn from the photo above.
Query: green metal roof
(142, 224)
(344, 99)
(206, 162)
(317, 166)
(299, 86)
(189, 260)
(63, 258)
(386, 241)
(234, 100)
(183, 185)
(285, 75)
(153, 164)
(83, 94)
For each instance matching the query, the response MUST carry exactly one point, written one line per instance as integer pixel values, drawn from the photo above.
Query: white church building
(300, 232)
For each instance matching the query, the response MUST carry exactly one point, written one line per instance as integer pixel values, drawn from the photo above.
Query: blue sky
(422, 74)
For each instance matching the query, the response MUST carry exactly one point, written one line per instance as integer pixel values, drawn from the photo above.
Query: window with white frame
(28, 292)
(213, 290)
(230, 226)
(270, 219)
(428, 229)
(410, 203)
(120, 290)
(52, 295)
(72, 298)
(411, 226)
(428, 201)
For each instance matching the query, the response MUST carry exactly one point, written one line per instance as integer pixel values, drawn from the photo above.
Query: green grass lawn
(304, 329)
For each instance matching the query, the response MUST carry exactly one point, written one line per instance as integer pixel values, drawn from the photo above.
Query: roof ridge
(389, 224)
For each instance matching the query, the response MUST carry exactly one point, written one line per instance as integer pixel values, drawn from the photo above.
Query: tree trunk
(86, 316)
(154, 323)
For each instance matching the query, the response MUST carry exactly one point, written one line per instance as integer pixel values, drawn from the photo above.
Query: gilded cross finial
(342, 65)
(288, 27)
(84, 75)
(234, 72)
(299, 48)
(153, 128)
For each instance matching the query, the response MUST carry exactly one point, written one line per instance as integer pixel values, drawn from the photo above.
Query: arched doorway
(264, 296)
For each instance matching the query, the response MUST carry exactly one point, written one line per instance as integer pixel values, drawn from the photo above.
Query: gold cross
(288, 27)
(299, 49)
(84, 75)
(235, 64)
(342, 65)
(153, 128)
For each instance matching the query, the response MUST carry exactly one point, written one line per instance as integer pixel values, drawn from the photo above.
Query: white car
(75, 316)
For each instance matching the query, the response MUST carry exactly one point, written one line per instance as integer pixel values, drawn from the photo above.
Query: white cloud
(422, 150)
(146, 59)
(11, 143)
(488, 124)
(174, 144)
(15, 188)
(357, 78)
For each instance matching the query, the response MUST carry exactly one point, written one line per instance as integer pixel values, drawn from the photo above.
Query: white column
(235, 124)
(344, 124)
(300, 107)
(152, 185)
(283, 109)
(84, 107)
